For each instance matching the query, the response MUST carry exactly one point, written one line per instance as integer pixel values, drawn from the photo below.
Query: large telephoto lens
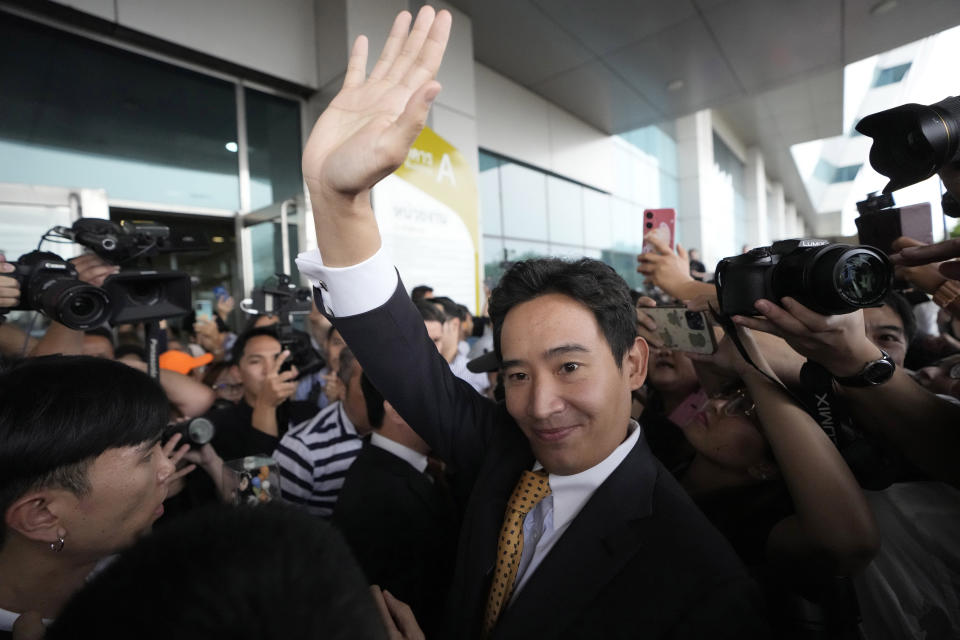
(73, 303)
(843, 278)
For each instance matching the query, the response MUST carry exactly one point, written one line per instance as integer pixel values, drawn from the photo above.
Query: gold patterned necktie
(530, 490)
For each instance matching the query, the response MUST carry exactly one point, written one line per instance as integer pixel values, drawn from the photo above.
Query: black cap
(484, 363)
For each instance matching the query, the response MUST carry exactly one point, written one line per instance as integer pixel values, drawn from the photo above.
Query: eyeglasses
(228, 387)
(736, 403)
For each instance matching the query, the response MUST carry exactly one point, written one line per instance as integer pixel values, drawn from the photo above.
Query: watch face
(878, 371)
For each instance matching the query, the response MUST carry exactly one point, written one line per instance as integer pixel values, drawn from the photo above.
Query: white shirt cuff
(350, 291)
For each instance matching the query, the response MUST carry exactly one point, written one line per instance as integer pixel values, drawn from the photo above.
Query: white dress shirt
(414, 458)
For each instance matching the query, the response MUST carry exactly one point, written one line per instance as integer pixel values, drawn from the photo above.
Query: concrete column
(756, 199)
(776, 212)
(791, 222)
(694, 168)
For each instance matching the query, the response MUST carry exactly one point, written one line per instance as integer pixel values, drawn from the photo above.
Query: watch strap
(860, 379)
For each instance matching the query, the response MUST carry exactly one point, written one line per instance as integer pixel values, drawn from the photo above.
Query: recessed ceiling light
(231, 147)
(676, 85)
(882, 7)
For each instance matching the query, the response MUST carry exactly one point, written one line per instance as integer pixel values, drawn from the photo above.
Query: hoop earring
(57, 546)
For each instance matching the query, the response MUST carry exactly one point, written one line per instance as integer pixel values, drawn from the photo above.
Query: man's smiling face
(562, 384)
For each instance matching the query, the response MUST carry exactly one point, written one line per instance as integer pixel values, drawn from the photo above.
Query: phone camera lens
(649, 214)
(649, 225)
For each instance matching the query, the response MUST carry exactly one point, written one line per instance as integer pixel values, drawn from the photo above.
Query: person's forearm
(830, 505)
(688, 289)
(59, 339)
(924, 427)
(265, 419)
(347, 231)
(191, 398)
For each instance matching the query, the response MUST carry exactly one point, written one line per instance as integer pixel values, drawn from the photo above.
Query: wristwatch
(873, 373)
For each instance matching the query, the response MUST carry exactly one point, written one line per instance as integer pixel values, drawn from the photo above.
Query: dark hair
(347, 363)
(374, 401)
(898, 303)
(56, 416)
(419, 292)
(590, 282)
(330, 331)
(450, 308)
(247, 336)
(263, 573)
(429, 312)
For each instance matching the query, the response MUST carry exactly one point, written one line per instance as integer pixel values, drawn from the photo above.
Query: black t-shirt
(236, 437)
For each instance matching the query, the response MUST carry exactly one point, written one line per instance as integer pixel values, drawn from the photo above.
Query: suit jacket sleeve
(392, 345)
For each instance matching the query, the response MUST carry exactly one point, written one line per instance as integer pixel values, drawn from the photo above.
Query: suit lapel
(603, 537)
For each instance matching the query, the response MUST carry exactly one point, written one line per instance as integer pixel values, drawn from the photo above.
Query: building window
(79, 113)
(831, 174)
(890, 75)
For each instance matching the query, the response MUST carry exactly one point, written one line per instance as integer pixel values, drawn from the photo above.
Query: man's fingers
(758, 324)
(171, 444)
(403, 616)
(410, 123)
(411, 47)
(812, 320)
(950, 269)
(661, 246)
(357, 64)
(683, 253)
(278, 361)
(179, 473)
(391, 49)
(925, 254)
(179, 453)
(392, 632)
(431, 53)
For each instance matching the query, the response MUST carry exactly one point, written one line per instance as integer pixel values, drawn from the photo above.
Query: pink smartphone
(661, 223)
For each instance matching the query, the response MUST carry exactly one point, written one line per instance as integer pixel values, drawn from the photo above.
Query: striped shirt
(314, 457)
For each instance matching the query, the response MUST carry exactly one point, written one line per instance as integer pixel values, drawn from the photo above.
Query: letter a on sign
(446, 170)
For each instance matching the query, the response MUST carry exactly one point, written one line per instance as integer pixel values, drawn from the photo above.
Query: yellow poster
(429, 222)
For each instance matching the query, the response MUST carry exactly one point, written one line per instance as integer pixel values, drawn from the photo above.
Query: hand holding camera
(838, 342)
(9, 286)
(280, 383)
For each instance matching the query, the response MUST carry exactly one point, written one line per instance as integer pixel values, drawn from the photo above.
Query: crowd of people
(546, 468)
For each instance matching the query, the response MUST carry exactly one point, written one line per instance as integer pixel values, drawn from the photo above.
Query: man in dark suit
(397, 515)
(611, 546)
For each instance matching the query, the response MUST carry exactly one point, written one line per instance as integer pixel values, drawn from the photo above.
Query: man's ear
(34, 515)
(635, 362)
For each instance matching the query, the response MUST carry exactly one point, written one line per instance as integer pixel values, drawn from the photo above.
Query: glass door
(264, 250)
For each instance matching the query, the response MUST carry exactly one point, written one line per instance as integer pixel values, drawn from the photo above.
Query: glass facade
(78, 113)
(75, 113)
(726, 224)
(529, 213)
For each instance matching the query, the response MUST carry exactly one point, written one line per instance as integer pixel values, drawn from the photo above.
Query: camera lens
(74, 304)
(694, 320)
(145, 293)
(649, 214)
(861, 277)
(649, 225)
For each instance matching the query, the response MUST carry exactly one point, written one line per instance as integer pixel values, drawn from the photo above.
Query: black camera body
(831, 279)
(284, 300)
(913, 141)
(49, 284)
(881, 222)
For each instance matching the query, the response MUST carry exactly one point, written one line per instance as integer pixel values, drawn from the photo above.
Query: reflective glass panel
(79, 113)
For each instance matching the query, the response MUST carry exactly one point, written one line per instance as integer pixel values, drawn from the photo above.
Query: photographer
(265, 412)
(916, 422)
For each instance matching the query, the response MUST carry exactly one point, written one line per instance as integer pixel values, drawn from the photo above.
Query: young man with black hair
(265, 413)
(611, 546)
(397, 515)
(82, 474)
(315, 456)
(421, 292)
